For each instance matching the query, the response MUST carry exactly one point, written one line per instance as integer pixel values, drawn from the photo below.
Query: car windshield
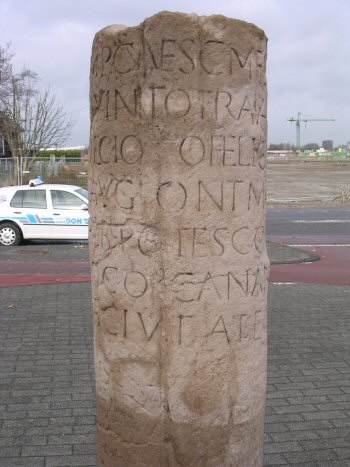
(82, 192)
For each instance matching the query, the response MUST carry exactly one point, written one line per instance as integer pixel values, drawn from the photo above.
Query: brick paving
(308, 400)
(47, 393)
(47, 398)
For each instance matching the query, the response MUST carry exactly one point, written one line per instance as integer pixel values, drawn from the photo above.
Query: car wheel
(10, 234)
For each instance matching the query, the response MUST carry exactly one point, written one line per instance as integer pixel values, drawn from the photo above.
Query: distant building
(4, 146)
(327, 144)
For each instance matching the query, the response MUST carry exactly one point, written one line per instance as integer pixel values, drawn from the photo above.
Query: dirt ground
(299, 181)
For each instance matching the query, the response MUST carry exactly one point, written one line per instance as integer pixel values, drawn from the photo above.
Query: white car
(43, 211)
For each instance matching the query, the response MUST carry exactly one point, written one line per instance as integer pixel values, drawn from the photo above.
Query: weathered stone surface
(178, 253)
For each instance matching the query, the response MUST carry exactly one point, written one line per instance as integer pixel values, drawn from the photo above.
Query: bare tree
(5, 74)
(30, 119)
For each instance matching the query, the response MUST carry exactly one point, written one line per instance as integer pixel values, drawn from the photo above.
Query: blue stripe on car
(32, 219)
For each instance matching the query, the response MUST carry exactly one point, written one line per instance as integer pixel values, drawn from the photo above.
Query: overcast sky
(308, 53)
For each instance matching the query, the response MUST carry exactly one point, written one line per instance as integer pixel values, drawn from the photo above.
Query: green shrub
(69, 154)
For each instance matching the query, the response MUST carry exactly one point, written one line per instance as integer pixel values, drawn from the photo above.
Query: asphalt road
(315, 221)
(321, 231)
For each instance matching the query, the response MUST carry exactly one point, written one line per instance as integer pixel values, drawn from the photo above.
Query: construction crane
(297, 125)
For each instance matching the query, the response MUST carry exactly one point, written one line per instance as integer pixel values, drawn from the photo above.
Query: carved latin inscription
(179, 103)
(185, 55)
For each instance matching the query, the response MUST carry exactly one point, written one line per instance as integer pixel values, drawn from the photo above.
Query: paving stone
(321, 391)
(283, 418)
(10, 451)
(13, 415)
(339, 397)
(307, 400)
(313, 378)
(290, 385)
(282, 447)
(74, 460)
(72, 439)
(81, 429)
(29, 407)
(330, 415)
(333, 364)
(85, 420)
(6, 432)
(48, 450)
(309, 425)
(326, 423)
(345, 422)
(274, 460)
(328, 463)
(294, 435)
(49, 430)
(19, 440)
(333, 406)
(85, 449)
(284, 394)
(84, 411)
(311, 456)
(50, 413)
(343, 453)
(334, 432)
(23, 462)
(276, 402)
(295, 408)
(329, 443)
(35, 422)
(275, 427)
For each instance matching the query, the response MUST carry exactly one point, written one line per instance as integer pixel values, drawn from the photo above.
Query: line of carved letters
(158, 101)
(192, 242)
(185, 55)
(213, 150)
(129, 58)
(188, 286)
(247, 327)
(174, 196)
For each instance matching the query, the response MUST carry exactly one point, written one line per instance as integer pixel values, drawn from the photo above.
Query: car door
(31, 210)
(70, 215)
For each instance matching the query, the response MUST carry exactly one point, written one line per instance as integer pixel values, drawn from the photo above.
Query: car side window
(17, 199)
(29, 199)
(65, 200)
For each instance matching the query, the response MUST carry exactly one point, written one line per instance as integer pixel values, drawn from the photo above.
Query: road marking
(326, 221)
(283, 283)
(301, 198)
(318, 245)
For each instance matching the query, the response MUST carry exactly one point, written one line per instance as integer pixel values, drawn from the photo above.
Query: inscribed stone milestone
(179, 263)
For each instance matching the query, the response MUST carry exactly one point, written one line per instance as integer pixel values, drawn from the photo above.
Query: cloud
(308, 58)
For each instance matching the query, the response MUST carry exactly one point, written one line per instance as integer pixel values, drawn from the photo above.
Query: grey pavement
(47, 395)
(42, 250)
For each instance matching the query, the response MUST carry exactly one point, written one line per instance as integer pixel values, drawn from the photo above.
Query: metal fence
(9, 173)
(16, 171)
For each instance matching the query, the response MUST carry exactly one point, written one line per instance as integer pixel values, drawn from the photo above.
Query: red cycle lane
(332, 268)
(14, 273)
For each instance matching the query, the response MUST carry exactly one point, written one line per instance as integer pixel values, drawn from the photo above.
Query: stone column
(177, 242)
